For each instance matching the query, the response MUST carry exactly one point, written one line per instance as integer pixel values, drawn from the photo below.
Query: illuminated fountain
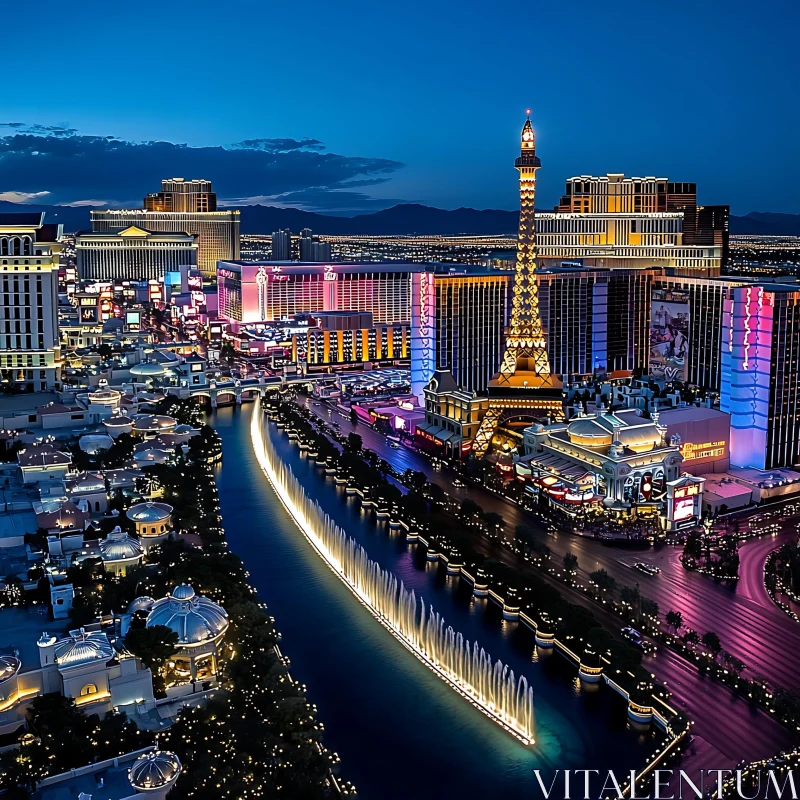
(468, 668)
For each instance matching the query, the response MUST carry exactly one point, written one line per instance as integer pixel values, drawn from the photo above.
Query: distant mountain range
(409, 218)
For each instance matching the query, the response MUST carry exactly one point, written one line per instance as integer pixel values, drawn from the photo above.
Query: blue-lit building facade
(761, 375)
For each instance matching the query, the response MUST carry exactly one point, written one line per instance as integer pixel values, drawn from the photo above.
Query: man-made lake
(399, 730)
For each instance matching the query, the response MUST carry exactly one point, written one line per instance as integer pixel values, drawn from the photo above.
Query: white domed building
(86, 667)
(146, 426)
(613, 461)
(117, 425)
(147, 372)
(152, 521)
(155, 773)
(142, 604)
(200, 624)
(120, 552)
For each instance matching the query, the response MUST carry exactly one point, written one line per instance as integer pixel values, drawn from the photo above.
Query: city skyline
(338, 138)
(303, 473)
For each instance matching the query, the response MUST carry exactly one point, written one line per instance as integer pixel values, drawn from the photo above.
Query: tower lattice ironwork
(524, 388)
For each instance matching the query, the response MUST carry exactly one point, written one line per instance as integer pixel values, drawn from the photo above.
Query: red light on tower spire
(528, 111)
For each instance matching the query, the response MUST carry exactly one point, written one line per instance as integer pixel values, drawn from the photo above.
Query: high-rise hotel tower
(617, 222)
(181, 207)
(524, 389)
(30, 352)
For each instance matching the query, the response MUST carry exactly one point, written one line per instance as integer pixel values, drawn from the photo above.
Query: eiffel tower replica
(524, 390)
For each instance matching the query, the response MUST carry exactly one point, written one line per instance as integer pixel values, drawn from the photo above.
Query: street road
(727, 728)
(748, 623)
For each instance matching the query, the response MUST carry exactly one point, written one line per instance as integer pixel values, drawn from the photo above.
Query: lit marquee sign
(686, 491)
(328, 273)
(691, 451)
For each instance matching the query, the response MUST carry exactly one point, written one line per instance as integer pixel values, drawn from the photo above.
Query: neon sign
(691, 451)
(261, 283)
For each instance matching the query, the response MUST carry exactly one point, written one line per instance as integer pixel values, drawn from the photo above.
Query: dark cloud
(40, 130)
(279, 145)
(73, 167)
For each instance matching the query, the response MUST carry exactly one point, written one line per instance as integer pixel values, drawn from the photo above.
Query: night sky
(353, 106)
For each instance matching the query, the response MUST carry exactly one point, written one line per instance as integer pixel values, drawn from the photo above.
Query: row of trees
(453, 534)
(783, 570)
(719, 558)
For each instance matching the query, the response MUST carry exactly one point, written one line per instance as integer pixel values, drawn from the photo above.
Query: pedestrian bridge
(237, 391)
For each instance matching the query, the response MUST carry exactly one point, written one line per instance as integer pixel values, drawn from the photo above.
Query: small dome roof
(641, 438)
(148, 369)
(105, 394)
(119, 546)
(83, 647)
(9, 667)
(587, 431)
(118, 421)
(149, 512)
(183, 592)
(194, 618)
(154, 422)
(143, 603)
(93, 443)
(154, 770)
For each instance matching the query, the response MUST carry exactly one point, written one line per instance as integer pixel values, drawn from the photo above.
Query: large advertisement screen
(669, 335)
(683, 509)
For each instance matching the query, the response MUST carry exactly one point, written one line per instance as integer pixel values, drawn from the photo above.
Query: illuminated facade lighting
(182, 207)
(524, 380)
(760, 365)
(30, 351)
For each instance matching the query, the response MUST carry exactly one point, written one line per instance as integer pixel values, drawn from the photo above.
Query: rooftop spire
(528, 136)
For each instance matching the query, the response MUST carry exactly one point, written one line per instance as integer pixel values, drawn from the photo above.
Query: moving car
(648, 569)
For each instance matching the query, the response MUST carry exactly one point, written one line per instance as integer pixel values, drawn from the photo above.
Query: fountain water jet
(490, 686)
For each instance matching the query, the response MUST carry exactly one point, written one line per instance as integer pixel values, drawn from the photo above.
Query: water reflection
(399, 732)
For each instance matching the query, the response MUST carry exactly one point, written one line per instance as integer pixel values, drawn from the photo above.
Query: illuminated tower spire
(525, 348)
(524, 387)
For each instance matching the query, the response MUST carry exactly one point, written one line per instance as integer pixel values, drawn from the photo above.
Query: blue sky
(418, 102)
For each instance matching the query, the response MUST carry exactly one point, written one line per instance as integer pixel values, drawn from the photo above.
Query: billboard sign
(669, 336)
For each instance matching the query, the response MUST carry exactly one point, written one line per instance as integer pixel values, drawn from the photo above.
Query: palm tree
(691, 637)
(631, 596)
(712, 642)
(604, 582)
(675, 620)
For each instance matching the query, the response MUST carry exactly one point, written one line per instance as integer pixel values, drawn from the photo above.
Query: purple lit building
(761, 374)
